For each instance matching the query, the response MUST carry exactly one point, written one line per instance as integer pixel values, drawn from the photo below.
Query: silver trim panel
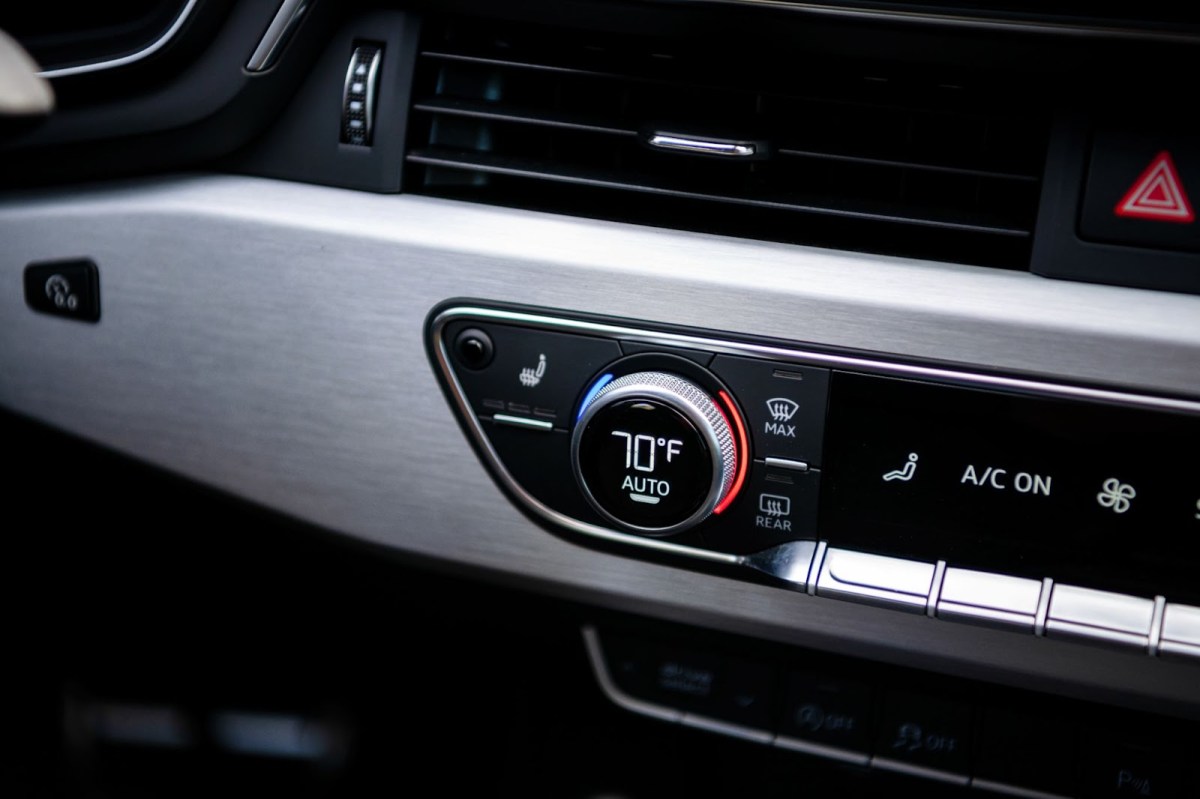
(277, 34)
(145, 52)
(785, 463)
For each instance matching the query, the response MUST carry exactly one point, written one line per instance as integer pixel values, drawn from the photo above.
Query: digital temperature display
(645, 463)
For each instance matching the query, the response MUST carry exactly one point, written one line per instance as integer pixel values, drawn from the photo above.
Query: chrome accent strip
(801, 356)
(547, 513)
(683, 144)
(282, 26)
(1156, 624)
(935, 589)
(521, 421)
(591, 641)
(791, 562)
(784, 463)
(821, 750)
(919, 771)
(1012, 790)
(725, 728)
(1101, 615)
(369, 108)
(1043, 608)
(112, 63)
(815, 569)
(928, 18)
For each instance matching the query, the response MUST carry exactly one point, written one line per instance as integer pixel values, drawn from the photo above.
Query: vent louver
(840, 154)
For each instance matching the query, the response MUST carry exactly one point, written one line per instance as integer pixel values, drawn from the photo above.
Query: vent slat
(531, 169)
(898, 159)
(511, 114)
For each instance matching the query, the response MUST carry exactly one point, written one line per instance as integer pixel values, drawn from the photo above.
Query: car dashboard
(637, 398)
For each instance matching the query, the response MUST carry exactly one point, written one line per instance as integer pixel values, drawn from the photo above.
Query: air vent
(840, 154)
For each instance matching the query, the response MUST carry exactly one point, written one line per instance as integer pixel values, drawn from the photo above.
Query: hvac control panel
(997, 499)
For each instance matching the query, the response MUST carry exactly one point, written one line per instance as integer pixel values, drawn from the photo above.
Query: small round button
(653, 453)
(474, 348)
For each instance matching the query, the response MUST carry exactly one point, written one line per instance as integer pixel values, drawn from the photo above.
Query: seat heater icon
(531, 376)
(782, 409)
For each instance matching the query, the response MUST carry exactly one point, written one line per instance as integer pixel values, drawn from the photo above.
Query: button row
(1041, 607)
(999, 746)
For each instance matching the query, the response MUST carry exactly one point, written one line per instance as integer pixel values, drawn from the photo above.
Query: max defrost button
(784, 405)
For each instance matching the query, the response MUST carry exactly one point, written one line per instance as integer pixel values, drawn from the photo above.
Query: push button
(923, 731)
(776, 504)
(1113, 766)
(1141, 190)
(528, 373)
(64, 288)
(699, 683)
(784, 405)
(827, 711)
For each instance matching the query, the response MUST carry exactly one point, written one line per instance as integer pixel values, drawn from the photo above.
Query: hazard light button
(1142, 191)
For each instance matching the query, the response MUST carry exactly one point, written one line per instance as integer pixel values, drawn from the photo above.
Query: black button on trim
(69, 288)
(474, 348)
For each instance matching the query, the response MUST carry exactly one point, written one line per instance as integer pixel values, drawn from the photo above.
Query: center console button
(1117, 619)
(1180, 631)
(996, 600)
(827, 711)
(875, 580)
(526, 373)
(775, 505)
(1027, 750)
(923, 731)
(784, 405)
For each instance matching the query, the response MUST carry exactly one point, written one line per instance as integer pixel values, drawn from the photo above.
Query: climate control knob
(655, 453)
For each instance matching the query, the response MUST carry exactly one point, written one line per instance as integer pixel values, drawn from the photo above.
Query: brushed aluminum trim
(113, 63)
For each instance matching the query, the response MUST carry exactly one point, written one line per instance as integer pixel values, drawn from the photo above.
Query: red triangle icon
(1157, 194)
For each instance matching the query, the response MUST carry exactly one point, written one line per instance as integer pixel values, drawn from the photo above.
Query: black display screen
(645, 463)
(1076, 491)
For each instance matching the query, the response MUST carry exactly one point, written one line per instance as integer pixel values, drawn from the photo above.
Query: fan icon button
(1115, 495)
